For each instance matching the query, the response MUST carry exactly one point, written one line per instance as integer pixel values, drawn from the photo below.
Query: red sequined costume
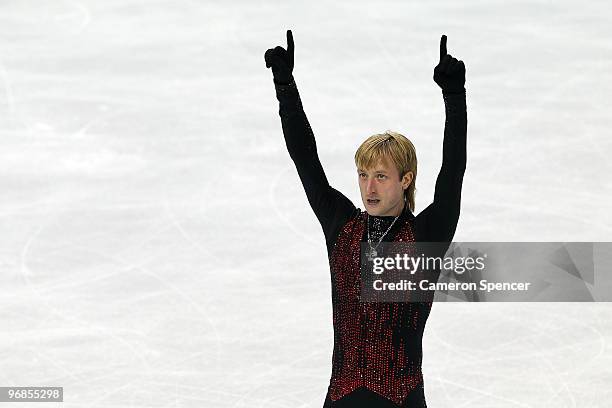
(377, 345)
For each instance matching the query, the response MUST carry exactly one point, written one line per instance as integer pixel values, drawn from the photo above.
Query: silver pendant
(372, 254)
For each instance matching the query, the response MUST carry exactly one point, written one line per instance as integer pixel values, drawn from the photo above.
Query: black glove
(281, 61)
(449, 74)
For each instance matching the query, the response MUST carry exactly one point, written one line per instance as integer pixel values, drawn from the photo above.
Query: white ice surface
(157, 249)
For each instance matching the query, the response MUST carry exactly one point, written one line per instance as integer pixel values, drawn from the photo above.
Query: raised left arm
(440, 218)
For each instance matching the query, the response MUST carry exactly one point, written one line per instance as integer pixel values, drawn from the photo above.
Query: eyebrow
(377, 171)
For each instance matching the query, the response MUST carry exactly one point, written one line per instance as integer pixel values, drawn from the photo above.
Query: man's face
(382, 191)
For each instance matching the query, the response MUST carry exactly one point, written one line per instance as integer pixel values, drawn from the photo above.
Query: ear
(407, 180)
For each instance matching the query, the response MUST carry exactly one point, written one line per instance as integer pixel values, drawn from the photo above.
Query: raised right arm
(330, 206)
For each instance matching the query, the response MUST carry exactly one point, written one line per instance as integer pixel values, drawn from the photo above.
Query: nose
(370, 186)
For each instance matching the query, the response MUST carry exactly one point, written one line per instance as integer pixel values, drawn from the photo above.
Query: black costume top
(437, 223)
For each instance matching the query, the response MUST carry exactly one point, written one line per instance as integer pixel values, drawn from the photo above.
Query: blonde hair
(396, 148)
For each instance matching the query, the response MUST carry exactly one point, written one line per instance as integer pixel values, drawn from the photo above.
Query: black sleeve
(438, 221)
(331, 207)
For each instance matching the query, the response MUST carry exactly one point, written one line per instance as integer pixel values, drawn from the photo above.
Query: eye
(382, 176)
(362, 174)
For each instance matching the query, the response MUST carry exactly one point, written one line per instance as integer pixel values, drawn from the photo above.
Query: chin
(374, 211)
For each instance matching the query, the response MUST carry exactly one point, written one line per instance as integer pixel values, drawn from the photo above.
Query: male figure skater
(377, 353)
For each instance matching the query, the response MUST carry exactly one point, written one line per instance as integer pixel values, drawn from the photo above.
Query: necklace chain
(372, 252)
(373, 249)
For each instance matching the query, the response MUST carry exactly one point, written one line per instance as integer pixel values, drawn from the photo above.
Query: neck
(401, 209)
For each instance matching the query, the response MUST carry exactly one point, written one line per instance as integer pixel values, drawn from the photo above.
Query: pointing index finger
(442, 46)
(290, 45)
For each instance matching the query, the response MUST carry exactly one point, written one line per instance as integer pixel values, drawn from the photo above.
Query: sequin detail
(377, 345)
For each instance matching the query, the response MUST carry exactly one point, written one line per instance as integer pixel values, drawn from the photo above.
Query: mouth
(373, 202)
